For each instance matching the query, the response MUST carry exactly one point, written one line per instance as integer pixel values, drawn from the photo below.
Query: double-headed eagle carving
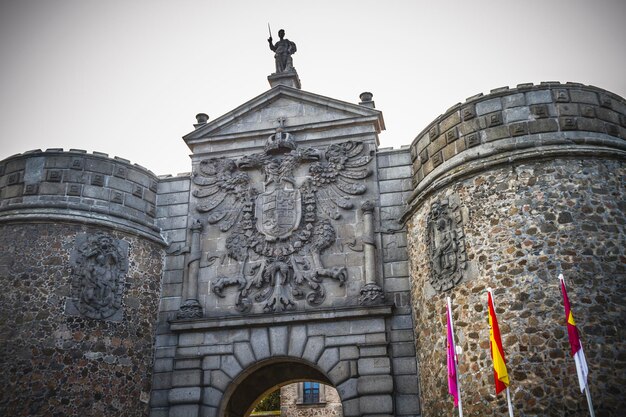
(277, 232)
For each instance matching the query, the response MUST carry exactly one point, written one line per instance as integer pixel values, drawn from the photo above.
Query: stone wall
(290, 407)
(80, 270)
(525, 202)
(54, 363)
(394, 183)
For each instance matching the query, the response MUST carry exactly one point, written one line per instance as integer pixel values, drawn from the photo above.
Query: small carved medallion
(446, 245)
(99, 265)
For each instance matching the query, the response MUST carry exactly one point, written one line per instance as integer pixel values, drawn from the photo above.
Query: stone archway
(260, 379)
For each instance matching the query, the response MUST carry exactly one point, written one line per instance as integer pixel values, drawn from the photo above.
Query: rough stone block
(313, 349)
(406, 384)
(220, 380)
(543, 125)
(187, 363)
(172, 199)
(342, 371)
(351, 408)
(279, 338)
(348, 389)
(401, 322)
(211, 362)
(206, 411)
(374, 366)
(243, 353)
(328, 359)
(404, 366)
(158, 398)
(407, 405)
(513, 100)
(190, 339)
(345, 340)
(348, 352)
(260, 343)
(397, 284)
(211, 396)
(538, 96)
(516, 114)
(164, 365)
(186, 378)
(376, 404)
(375, 384)
(402, 349)
(401, 335)
(488, 106)
(367, 326)
(230, 366)
(450, 121)
(495, 133)
(184, 395)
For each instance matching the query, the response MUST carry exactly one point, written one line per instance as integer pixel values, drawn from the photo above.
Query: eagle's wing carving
(339, 176)
(223, 192)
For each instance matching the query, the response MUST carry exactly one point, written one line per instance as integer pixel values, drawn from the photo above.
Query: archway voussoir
(348, 389)
(313, 349)
(328, 359)
(211, 396)
(259, 339)
(297, 341)
(342, 371)
(244, 354)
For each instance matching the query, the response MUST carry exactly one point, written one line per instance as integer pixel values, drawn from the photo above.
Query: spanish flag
(574, 340)
(500, 374)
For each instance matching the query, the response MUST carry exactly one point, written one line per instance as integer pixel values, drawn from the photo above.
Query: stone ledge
(229, 322)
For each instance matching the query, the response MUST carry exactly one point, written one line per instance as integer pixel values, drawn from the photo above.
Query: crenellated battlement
(530, 121)
(76, 185)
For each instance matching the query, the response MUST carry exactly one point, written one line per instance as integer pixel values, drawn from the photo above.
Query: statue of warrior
(283, 49)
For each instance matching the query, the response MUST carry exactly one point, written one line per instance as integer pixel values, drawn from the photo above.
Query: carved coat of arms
(446, 245)
(279, 229)
(99, 265)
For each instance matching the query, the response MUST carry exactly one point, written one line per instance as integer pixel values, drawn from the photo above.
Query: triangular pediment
(300, 110)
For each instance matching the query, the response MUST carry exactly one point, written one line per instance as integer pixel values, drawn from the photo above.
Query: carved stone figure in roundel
(279, 232)
(446, 245)
(99, 264)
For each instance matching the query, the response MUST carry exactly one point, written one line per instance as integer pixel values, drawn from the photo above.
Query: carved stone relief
(99, 265)
(446, 245)
(280, 226)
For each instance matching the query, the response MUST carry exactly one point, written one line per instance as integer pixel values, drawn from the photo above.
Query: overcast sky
(127, 77)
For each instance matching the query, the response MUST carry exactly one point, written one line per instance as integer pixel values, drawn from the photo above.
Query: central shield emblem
(278, 212)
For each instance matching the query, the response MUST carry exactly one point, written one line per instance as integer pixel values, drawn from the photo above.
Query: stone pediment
(300, 110)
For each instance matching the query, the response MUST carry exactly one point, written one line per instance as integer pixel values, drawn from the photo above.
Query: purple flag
(452, 387)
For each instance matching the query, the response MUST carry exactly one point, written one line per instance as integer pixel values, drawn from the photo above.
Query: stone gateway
(299, 254)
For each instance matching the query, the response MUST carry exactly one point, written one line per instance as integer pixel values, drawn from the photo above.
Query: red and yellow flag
(500, 374)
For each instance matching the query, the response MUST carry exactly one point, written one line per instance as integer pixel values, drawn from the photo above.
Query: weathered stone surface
(527, 219)
(73, 354)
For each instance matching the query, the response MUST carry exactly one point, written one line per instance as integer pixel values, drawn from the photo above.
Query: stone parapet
(54, 185)
(524, 123)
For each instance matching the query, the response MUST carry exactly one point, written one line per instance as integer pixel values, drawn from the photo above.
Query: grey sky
(127, 77)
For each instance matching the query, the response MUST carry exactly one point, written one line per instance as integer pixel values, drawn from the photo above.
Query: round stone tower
(510, 189)
(80, 269)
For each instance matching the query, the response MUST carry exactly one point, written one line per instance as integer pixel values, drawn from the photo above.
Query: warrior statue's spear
(269, 30)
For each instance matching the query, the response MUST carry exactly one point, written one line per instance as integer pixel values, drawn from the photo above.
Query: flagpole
(591, 413)
(456, 362)
(508, 394)
(587, 393)
(508, 399)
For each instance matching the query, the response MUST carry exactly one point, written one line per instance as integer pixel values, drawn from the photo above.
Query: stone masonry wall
(54, 364)
(394, 182)
(331, 407)
(520, 222)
